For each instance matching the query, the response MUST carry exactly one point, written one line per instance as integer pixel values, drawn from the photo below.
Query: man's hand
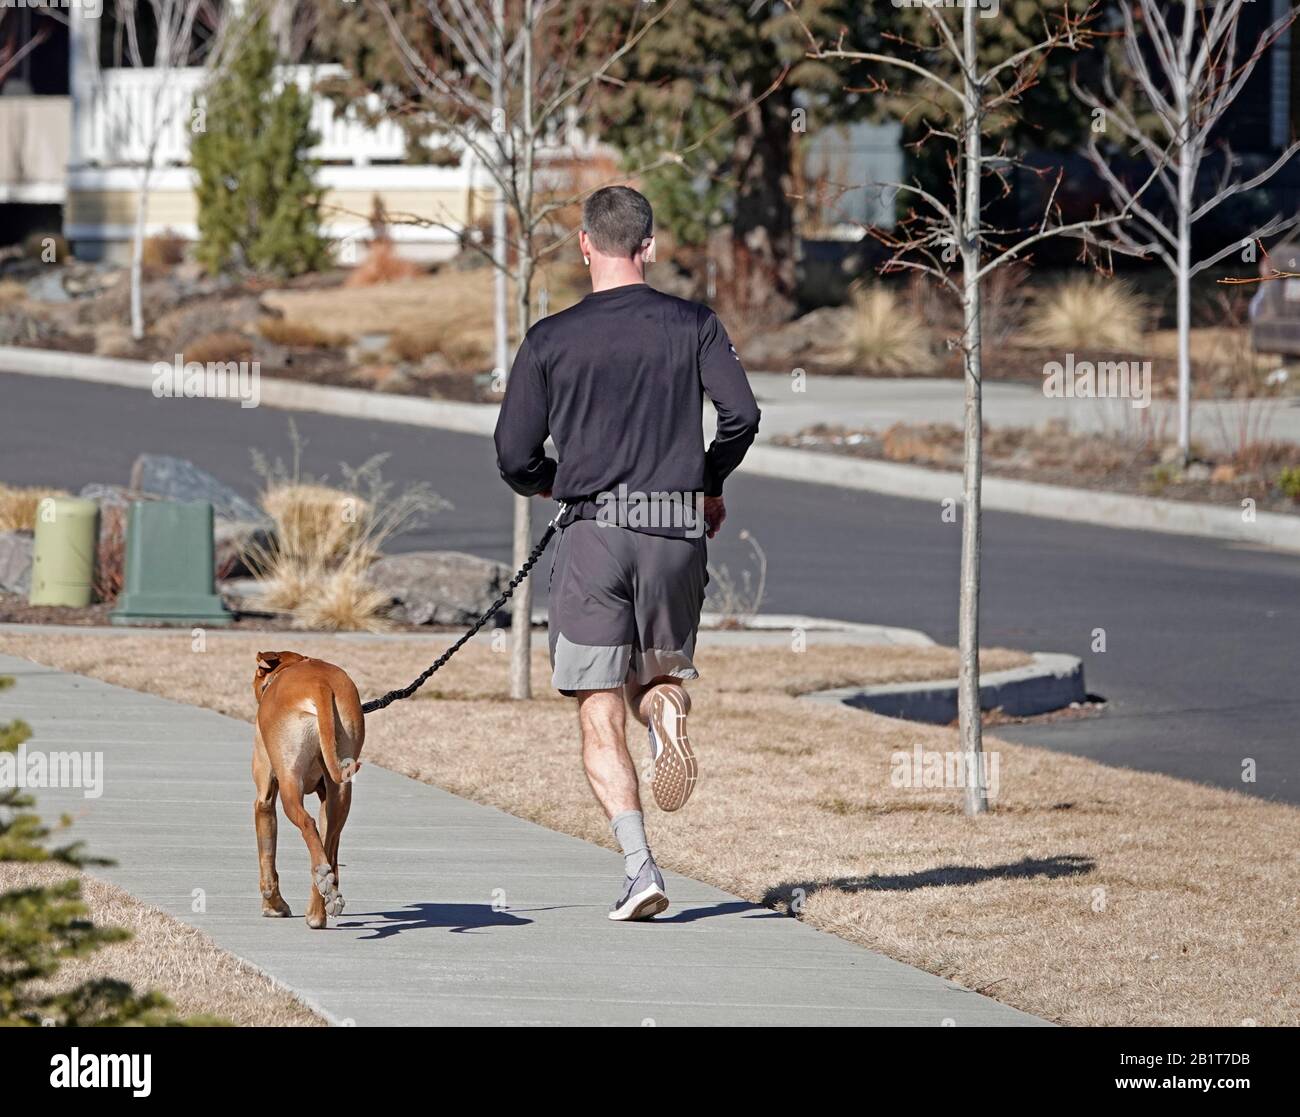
(545, 494)
(715, 511)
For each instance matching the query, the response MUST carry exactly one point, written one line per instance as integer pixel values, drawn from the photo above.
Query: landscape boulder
(438, 587)
(15, 561)
(178, 479)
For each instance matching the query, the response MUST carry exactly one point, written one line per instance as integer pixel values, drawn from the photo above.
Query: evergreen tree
(259, 204)
(734, 79)
(40, 927)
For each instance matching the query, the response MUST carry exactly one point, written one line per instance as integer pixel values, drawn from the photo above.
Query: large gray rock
(438, 587)
(15, 561)
(178, 479)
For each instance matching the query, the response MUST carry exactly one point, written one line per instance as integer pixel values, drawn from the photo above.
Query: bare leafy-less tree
(173, 25)
(947, 238)
(1181, 62)
(498, 81)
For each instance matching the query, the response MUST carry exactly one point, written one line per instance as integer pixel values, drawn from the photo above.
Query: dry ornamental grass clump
(19, 506)
(885, 337)
(1090, 312)
(325, 538)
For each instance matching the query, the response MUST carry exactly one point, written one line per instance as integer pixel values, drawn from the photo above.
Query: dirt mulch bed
(1090, 895)
(1053, 455)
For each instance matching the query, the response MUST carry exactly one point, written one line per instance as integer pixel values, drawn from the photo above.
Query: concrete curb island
(1051, 682)
(1029, 498)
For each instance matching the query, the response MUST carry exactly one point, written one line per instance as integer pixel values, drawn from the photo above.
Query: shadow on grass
(944, 876)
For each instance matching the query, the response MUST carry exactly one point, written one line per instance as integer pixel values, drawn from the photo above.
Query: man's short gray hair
(618, 220)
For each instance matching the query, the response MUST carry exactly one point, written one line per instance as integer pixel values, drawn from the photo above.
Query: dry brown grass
(1091, 895)
(299, 335)
(317, 520)
(316, 567)
(462, 348)
(454, 307)
(178, 960)
(162, 252)
(19, 505)
(885, 336)
(1090, 312)
(225, 345)
(381, 265)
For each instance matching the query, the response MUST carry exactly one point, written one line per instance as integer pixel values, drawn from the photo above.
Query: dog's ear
(268, 661)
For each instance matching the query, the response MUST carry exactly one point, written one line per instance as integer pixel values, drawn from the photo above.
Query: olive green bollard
(63, 552)
(170, 576)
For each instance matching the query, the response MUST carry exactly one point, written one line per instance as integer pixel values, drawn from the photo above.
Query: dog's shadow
(459, 919)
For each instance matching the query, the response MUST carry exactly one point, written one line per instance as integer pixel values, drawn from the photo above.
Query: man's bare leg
(663, 705)
(610, 771)
(602, 719)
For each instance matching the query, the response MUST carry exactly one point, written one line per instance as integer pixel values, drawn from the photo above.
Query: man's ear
(268, 661)
(648, 249)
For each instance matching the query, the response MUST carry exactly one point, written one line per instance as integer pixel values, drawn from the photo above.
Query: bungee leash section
(523, 572)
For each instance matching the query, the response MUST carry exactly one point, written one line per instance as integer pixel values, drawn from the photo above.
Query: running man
(617, 382)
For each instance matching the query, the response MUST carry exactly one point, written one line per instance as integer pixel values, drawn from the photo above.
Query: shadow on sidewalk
(1062, 865)
(732, 907)
(457, 918)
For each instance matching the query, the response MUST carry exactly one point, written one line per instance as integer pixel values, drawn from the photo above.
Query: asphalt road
(1201, 637)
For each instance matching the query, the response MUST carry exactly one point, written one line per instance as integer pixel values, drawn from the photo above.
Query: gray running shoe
(643, 897)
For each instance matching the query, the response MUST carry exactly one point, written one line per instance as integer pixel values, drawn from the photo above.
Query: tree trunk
(521, 618)
(762, 232)
(1183, 284)
(137, 256)
(968, 688)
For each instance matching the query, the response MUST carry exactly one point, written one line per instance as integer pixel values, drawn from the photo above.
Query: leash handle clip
(555, 520)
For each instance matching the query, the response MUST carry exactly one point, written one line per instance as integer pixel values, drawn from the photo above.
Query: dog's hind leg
(323, 889)
(264, 819)
(334, 813)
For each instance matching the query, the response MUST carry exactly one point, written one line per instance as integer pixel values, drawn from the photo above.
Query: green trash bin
(63, 552)
(170, 577)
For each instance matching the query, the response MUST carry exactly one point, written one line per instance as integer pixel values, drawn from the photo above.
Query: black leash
(406, 691)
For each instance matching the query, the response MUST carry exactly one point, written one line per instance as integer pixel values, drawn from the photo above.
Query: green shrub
(259, 204)
(1289, 482)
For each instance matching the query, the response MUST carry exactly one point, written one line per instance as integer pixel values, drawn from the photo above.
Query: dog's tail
(325, 724)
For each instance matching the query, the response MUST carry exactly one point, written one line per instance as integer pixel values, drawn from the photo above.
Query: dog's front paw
(327, 887)
(274, 906)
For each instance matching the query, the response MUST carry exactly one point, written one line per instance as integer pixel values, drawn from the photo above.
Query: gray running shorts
(624, 606)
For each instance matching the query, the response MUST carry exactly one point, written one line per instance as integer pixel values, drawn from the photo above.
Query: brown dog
(310, 729)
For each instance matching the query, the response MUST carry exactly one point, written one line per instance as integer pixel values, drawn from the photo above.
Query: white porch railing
(130, 105)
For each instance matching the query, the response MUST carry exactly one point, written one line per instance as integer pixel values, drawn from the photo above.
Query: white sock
(629, 830)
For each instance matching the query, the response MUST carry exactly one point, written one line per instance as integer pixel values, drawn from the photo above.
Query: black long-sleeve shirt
(618, 382)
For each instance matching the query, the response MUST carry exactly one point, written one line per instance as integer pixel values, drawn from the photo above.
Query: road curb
(711, 624)
(1029, 498)
(1001, 494)
(1051, 682)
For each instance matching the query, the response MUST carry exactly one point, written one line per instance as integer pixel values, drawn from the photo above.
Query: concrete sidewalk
(457, 914)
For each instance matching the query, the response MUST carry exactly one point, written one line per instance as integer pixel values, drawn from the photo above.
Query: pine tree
(737, 77)
(259, 204)
(42, 926)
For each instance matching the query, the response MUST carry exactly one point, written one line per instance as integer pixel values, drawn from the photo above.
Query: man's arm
(724, 381)
(522, 427)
